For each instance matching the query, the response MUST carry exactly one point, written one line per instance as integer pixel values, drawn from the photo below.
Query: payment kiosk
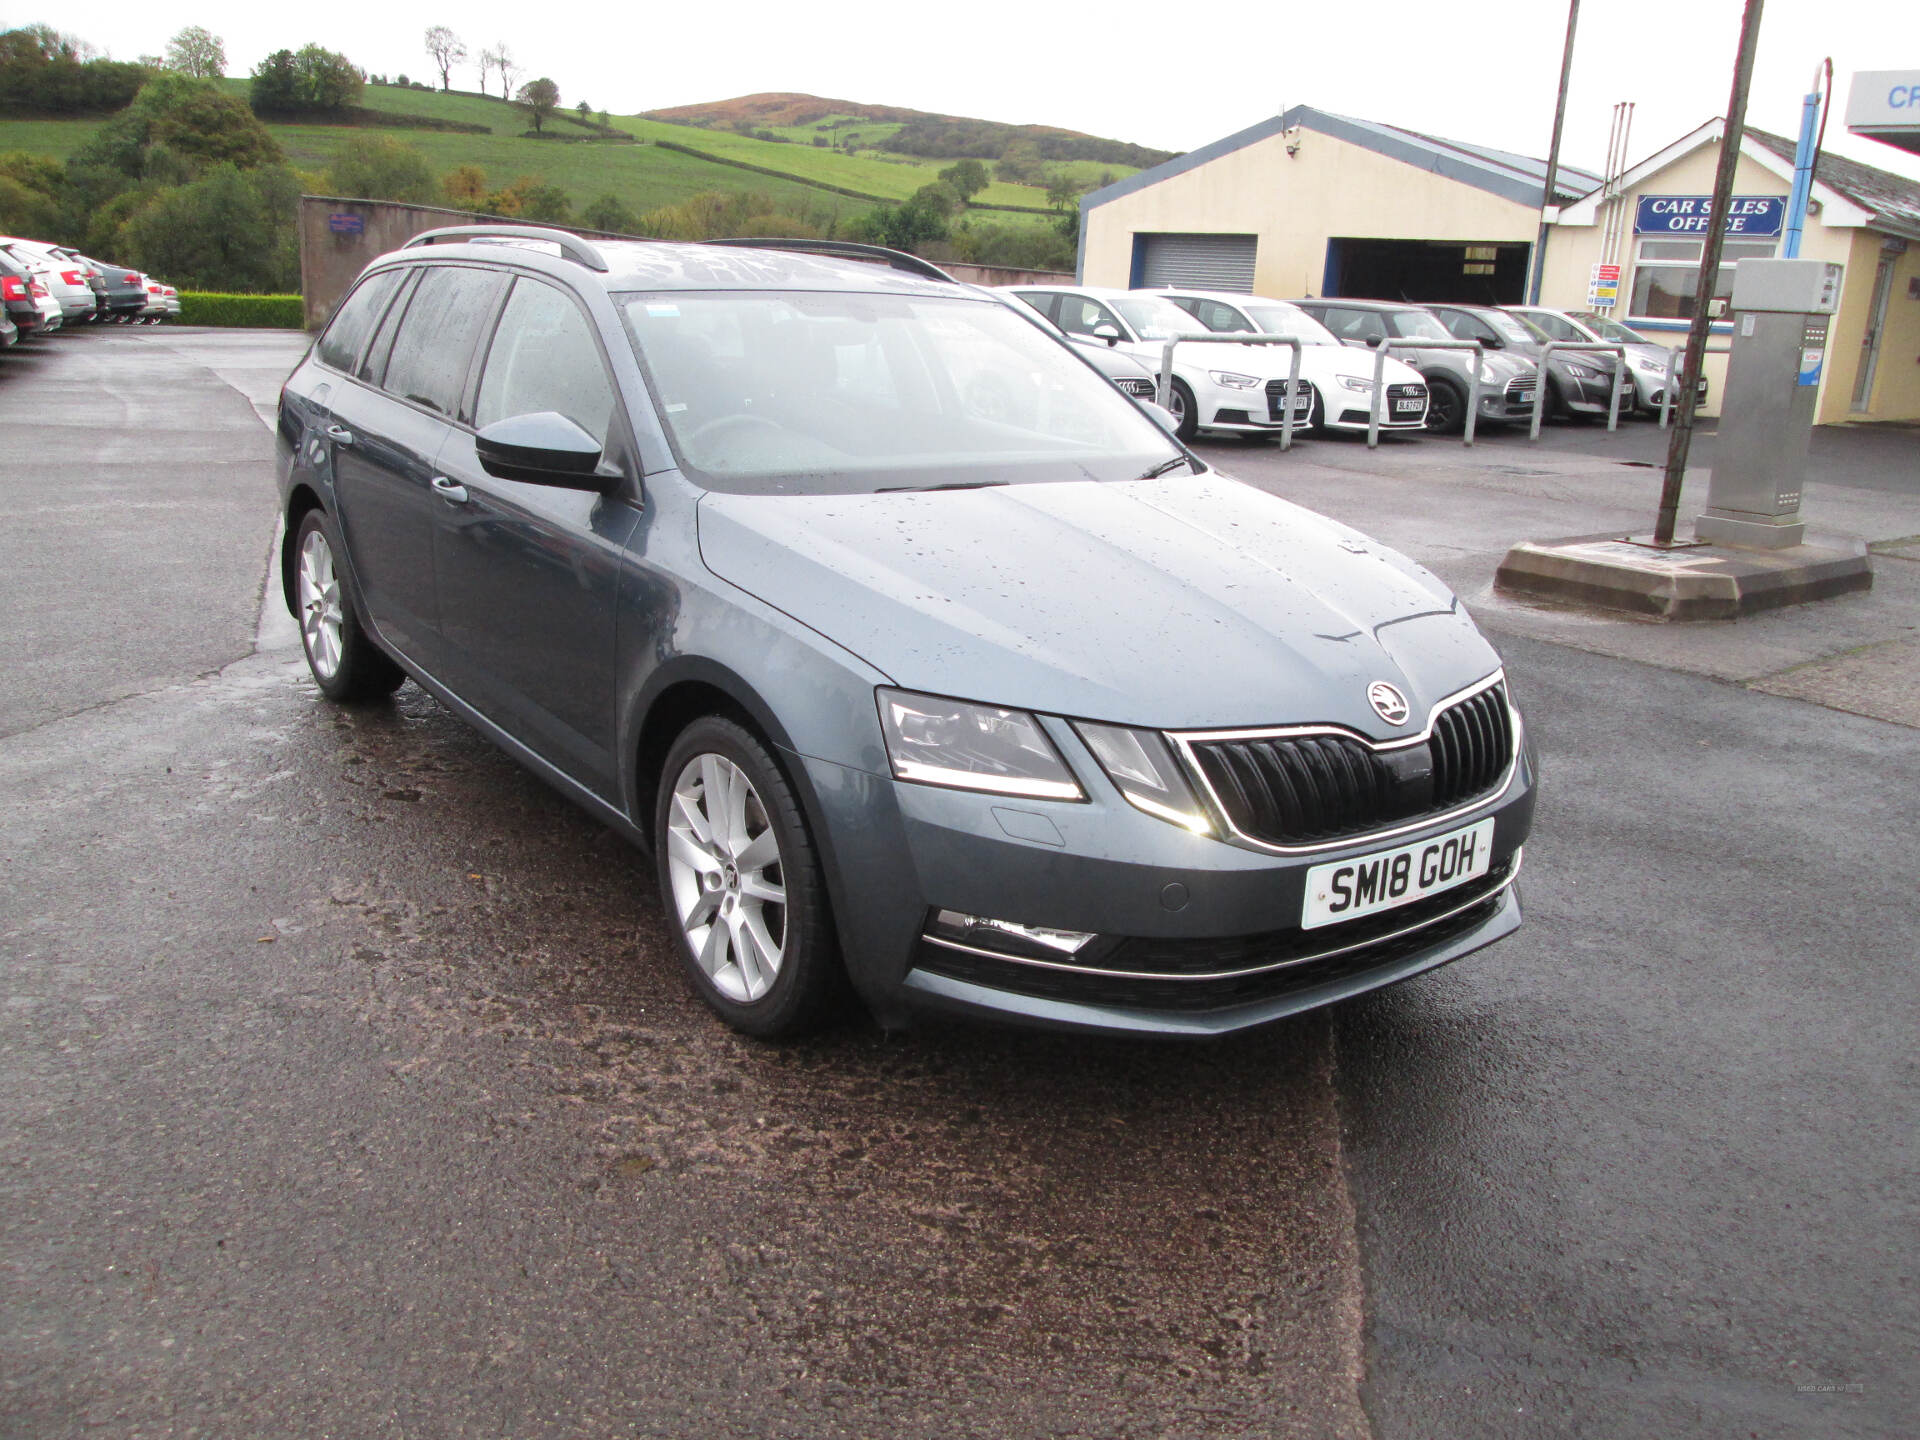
(1781, 312)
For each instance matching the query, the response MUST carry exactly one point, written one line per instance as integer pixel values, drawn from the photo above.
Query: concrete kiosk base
(1701, 582)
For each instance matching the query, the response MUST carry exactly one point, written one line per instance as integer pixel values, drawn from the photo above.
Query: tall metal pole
(1805, 156)
(1553, 154)
(1681, 440)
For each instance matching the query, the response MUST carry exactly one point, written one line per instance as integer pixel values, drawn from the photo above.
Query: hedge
(275, 312)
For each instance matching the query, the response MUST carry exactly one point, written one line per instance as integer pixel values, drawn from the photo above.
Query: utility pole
(1553, 154)
(1735, 131)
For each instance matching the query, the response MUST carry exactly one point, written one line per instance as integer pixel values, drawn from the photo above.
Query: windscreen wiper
(951, 485)
(1165, 465)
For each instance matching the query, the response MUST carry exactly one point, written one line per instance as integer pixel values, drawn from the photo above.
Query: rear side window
(373, 363)
(431, 352)
(544, 358)
(343, 338)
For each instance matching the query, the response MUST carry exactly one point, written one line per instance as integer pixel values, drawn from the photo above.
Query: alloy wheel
(1445, 408)
(321, 618)
(724, 867)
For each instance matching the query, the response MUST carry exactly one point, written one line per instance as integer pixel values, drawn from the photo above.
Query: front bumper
(1650, 389)
(1511, 403)
(1198, 936)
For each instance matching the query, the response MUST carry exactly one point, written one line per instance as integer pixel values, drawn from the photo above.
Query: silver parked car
(1578, 384)
(1646, 358)
(1507, 384)
(1010, 713)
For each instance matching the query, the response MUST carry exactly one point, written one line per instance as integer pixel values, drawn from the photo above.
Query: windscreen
(1614, 332)
(827, 393)
(1417, 325)
(1512, 329)
(1285, 320)
(1155, 318)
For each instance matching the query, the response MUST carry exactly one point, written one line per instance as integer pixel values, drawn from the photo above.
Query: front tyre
(346, 664)
(1180, 402)
(1446, 407)
(741, 883)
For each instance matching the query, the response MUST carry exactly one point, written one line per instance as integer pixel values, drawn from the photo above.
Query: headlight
(1652, 367)
(1232, 381)
(1354, 382)
(1583, 372)
(972, 747)
(1141, 765)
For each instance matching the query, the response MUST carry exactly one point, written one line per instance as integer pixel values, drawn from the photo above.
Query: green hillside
(871, 172)
(643, 176)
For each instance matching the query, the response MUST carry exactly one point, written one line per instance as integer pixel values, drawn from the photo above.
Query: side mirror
(544, 448)
(1106, 333)
(1374, 342)
(1163, 417)
(1491, 342)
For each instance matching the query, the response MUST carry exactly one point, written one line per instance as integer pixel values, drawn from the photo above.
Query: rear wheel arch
(299, 503)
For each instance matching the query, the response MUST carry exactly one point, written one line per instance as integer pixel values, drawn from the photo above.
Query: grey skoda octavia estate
(920, 658)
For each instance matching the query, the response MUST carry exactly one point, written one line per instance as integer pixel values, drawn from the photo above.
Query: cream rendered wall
(1573, 250)
(1896, 380)
(1294, 204)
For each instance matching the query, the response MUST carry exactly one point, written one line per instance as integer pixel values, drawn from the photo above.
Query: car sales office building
(1314, 204)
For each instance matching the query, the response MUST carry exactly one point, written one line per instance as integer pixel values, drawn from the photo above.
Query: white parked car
(1220, 386)
(65, 280)
(1342, 379)
(1646, 358)
(163, 301)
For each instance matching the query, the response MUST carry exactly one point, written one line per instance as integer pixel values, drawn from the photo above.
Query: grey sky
(1174, 76)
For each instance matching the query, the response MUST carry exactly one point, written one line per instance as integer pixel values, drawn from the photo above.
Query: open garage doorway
(1489, 273)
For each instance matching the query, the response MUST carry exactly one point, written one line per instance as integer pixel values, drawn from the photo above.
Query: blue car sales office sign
(1755, 217)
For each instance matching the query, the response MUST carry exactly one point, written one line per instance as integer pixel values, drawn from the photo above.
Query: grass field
(893, 177)
(642, 176)
(496, 114)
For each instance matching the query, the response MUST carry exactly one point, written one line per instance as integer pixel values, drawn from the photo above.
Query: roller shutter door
(1200, 262)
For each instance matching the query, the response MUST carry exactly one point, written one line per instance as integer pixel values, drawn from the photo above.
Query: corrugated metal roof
(1887, 196)
(1518, 178)
(1569, 182)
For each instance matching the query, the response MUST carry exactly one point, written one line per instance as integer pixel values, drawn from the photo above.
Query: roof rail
(847, 250)
(570, 245)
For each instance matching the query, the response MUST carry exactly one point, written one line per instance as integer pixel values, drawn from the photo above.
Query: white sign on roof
(1884, 99)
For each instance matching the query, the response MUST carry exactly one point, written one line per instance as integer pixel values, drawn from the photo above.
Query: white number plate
(1348, 889)
(1408, 407)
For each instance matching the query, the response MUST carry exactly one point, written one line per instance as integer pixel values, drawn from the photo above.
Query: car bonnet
(1180, 602)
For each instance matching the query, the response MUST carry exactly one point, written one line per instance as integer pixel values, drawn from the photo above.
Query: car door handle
(339, 434)
(449, 490)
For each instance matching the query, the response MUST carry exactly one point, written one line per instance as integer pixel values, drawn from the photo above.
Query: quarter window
(1666, 275)
(341, 343)
(431, 352)
(544, 358)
